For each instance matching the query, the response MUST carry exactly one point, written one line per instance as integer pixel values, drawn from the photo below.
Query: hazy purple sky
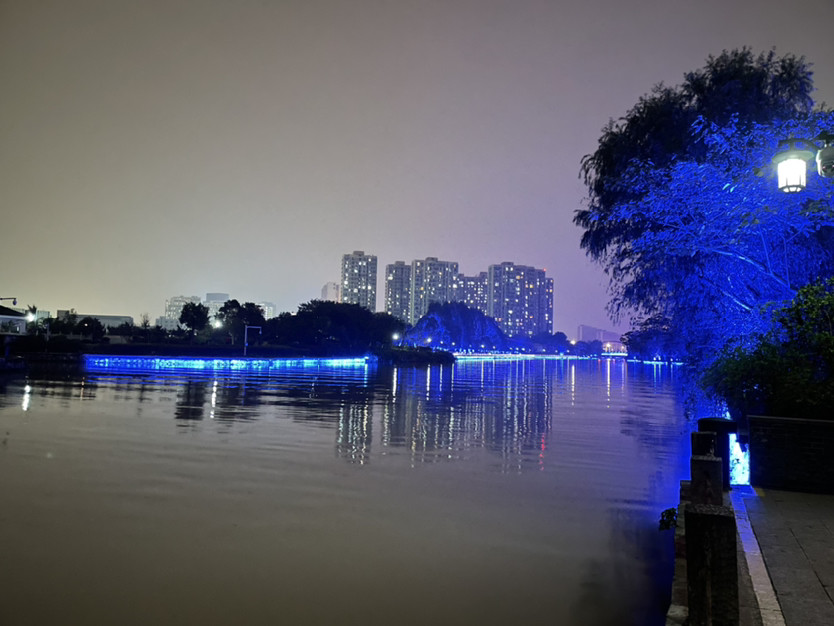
(151, 148)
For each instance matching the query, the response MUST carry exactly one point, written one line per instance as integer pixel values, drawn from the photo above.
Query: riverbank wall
(711, 583)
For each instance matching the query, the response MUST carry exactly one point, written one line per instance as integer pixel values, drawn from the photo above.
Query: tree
(90, 327)
(677, 217)
(65, 324)
(194, 316)
(33, 324)
(235, 317)
(455, 326)
(333, 328)
(788, 371)
(338, 327)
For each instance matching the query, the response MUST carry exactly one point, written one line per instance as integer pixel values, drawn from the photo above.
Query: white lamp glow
(791, 175)
(790, 163)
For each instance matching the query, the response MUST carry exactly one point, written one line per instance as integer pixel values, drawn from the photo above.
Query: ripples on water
(488, 492)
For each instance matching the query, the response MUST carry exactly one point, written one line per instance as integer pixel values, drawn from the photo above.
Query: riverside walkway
(788, 543)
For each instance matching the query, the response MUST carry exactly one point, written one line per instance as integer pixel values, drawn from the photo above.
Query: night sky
(160, 147)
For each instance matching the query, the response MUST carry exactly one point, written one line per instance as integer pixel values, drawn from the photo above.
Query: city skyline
(151, 148)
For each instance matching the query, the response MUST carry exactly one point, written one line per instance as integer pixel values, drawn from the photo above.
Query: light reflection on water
(484, 492)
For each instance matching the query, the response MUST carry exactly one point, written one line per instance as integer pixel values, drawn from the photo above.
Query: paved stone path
(794, 538)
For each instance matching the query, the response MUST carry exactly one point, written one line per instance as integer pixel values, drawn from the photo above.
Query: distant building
(432, 280)
(398, 290)
(214, 302)
(108, 321)
(331, 292)
(472, 291)
(607, 337)
(174, 304)
(359, 279)
(167, 323)
(268, 309)
(12, 322)
(170, 319)
(520, 299)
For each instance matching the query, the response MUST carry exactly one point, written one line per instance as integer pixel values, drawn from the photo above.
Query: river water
(514, 491)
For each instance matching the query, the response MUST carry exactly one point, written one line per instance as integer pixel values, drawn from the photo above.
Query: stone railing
(705, 589)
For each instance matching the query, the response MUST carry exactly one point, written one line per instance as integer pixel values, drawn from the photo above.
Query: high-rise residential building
(472, 291)
(331, 292)
(359, 279)
(520, 299)
(432, 280)
(398, 290)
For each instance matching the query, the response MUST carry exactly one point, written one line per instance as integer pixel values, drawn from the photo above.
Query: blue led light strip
(99, 362)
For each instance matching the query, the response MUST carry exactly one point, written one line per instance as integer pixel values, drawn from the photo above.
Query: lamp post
(14, 300)
(793, 155)
(246, 336)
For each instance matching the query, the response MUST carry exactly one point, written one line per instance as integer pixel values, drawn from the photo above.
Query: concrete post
(703, 443)
(711, 565)
(706, 480)
(722, 429)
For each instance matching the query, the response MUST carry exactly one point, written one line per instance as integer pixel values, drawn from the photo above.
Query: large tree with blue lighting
(683, 212)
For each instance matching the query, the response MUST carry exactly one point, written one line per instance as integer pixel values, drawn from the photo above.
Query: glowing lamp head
(790, 163)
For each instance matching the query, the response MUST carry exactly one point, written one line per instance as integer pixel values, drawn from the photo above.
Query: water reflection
(538, 479)
(440, 413)
(190, 401)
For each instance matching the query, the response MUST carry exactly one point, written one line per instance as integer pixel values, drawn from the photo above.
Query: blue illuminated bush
(789, 371)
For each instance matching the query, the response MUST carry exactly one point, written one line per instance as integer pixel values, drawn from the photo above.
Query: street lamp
(246, 336)
(14, 300)
(793, 155)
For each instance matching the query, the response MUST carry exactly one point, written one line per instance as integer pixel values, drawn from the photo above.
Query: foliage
(334, 328)
(668, 519)
(652, 340)
(65, 325)
(557, 343)
(194, 316)
(90, 327)
(234, 318)
(677, 217)
(455, 326)
(788, 371)
(587, 348)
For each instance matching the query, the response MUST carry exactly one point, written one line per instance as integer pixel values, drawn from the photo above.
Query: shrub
(788, 371)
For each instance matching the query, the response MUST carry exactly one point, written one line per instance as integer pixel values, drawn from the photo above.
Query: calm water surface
(489, 492)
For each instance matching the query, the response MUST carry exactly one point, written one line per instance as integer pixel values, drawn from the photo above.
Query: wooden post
(711, 565)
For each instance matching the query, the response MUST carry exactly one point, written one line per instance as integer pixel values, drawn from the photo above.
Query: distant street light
(793, 156)
(246, 336)
(14, 300)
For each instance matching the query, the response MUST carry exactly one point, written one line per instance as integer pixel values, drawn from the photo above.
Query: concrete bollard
(711, 565)
(722, 429)
(706, 480)
(703, 443)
